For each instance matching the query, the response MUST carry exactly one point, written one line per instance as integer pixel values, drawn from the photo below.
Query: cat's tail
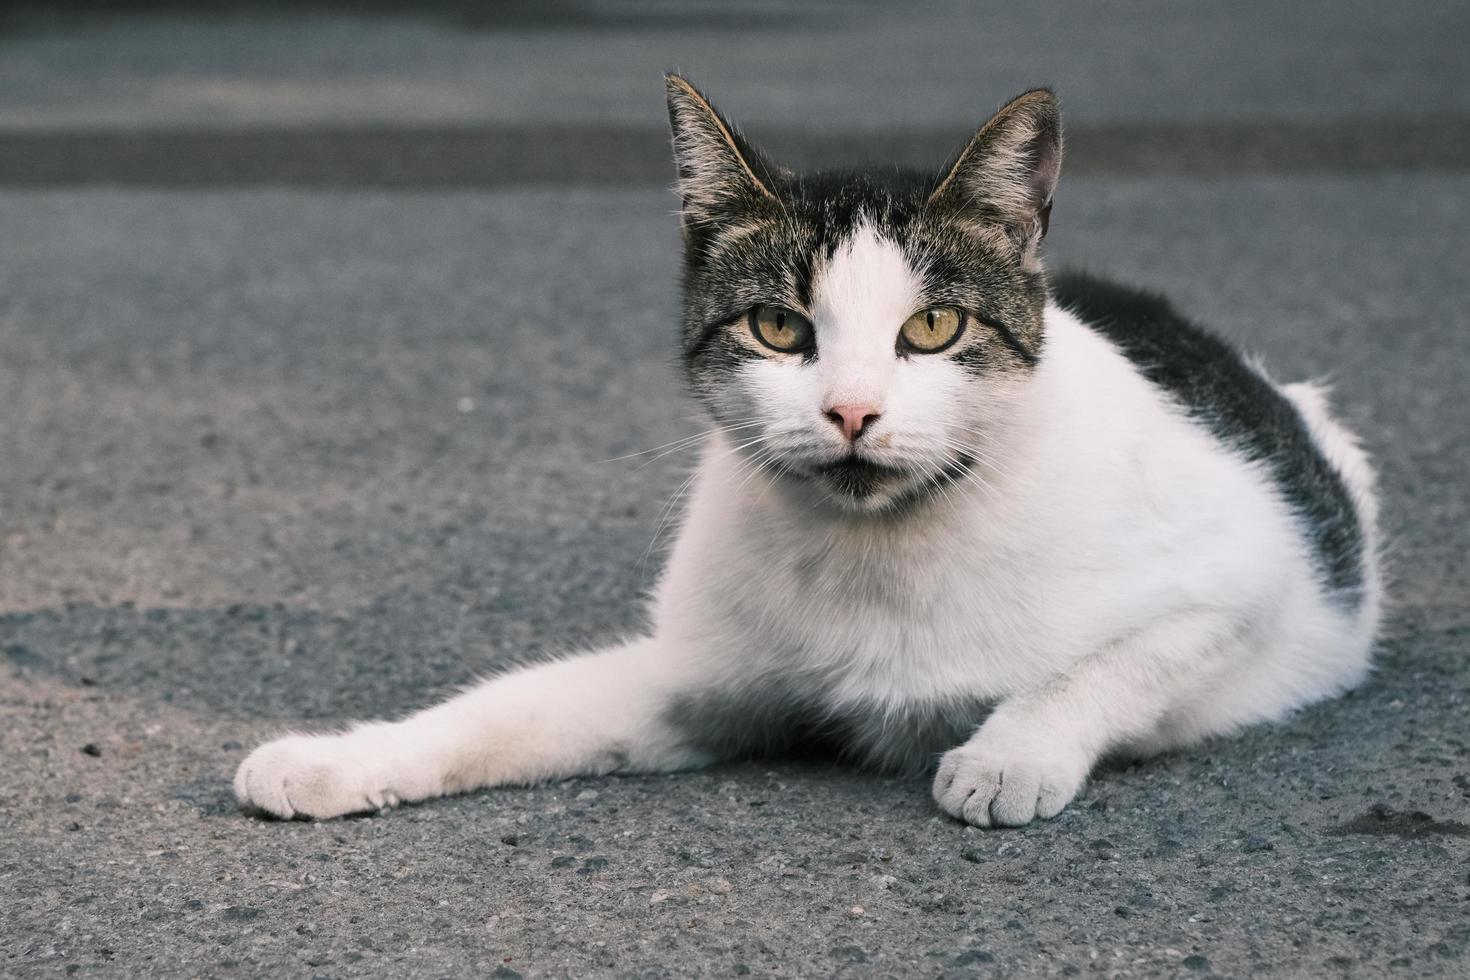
(1344, 452)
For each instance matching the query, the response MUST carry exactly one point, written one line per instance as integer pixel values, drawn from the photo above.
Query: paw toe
(1053, 799)
(1015, 803)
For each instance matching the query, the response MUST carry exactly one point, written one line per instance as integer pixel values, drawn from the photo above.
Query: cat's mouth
(859, 478)
(870, 485)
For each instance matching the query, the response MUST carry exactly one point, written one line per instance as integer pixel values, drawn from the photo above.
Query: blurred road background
(319, 324)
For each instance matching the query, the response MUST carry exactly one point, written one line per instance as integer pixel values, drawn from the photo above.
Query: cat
(952, 510)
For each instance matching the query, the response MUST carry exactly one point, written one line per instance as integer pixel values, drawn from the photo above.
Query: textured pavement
(283, 456)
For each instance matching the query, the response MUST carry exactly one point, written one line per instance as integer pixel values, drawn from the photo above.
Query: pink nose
(852, 419)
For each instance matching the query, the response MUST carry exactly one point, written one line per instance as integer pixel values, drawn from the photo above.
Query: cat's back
(1314, 464)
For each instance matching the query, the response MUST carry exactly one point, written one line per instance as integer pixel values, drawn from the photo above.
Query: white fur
(1111, 576)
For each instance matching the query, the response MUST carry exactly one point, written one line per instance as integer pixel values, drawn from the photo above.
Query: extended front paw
(311, 776)
(1007, 777)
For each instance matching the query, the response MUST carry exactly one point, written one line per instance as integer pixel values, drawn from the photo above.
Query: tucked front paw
(309, 776)
(1000, 779)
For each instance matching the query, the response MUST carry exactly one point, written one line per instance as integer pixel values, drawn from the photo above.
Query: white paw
(311, 776)
(1005, 777)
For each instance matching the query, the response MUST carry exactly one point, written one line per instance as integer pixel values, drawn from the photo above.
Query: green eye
(932, 330)
(781, 329)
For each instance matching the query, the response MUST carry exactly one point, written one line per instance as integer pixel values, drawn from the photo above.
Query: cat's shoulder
(1143, 324)
(1191, 366)
(1232, 399)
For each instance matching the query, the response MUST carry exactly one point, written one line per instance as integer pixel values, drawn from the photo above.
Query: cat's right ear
(720, 177)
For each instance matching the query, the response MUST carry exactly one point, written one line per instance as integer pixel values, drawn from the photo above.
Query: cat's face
(862, 339)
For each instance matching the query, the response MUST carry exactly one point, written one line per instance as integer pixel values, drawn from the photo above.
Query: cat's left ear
(1008, 172)
(720, 177)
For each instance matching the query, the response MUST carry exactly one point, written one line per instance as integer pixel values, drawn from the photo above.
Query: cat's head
(863, 335)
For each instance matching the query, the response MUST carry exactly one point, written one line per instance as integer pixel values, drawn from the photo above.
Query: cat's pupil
(780, 321)
(930, 318)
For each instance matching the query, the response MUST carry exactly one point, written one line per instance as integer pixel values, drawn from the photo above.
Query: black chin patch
(856, 477)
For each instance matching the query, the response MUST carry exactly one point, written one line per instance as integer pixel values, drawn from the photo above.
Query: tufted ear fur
(1007, 174)
(720, 176)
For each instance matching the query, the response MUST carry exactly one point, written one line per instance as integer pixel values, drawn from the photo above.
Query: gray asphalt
(277, 457)
(818, 64)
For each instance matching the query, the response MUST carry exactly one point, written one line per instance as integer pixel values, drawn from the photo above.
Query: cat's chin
(859, 478)
(856, 485)
(859, 485)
